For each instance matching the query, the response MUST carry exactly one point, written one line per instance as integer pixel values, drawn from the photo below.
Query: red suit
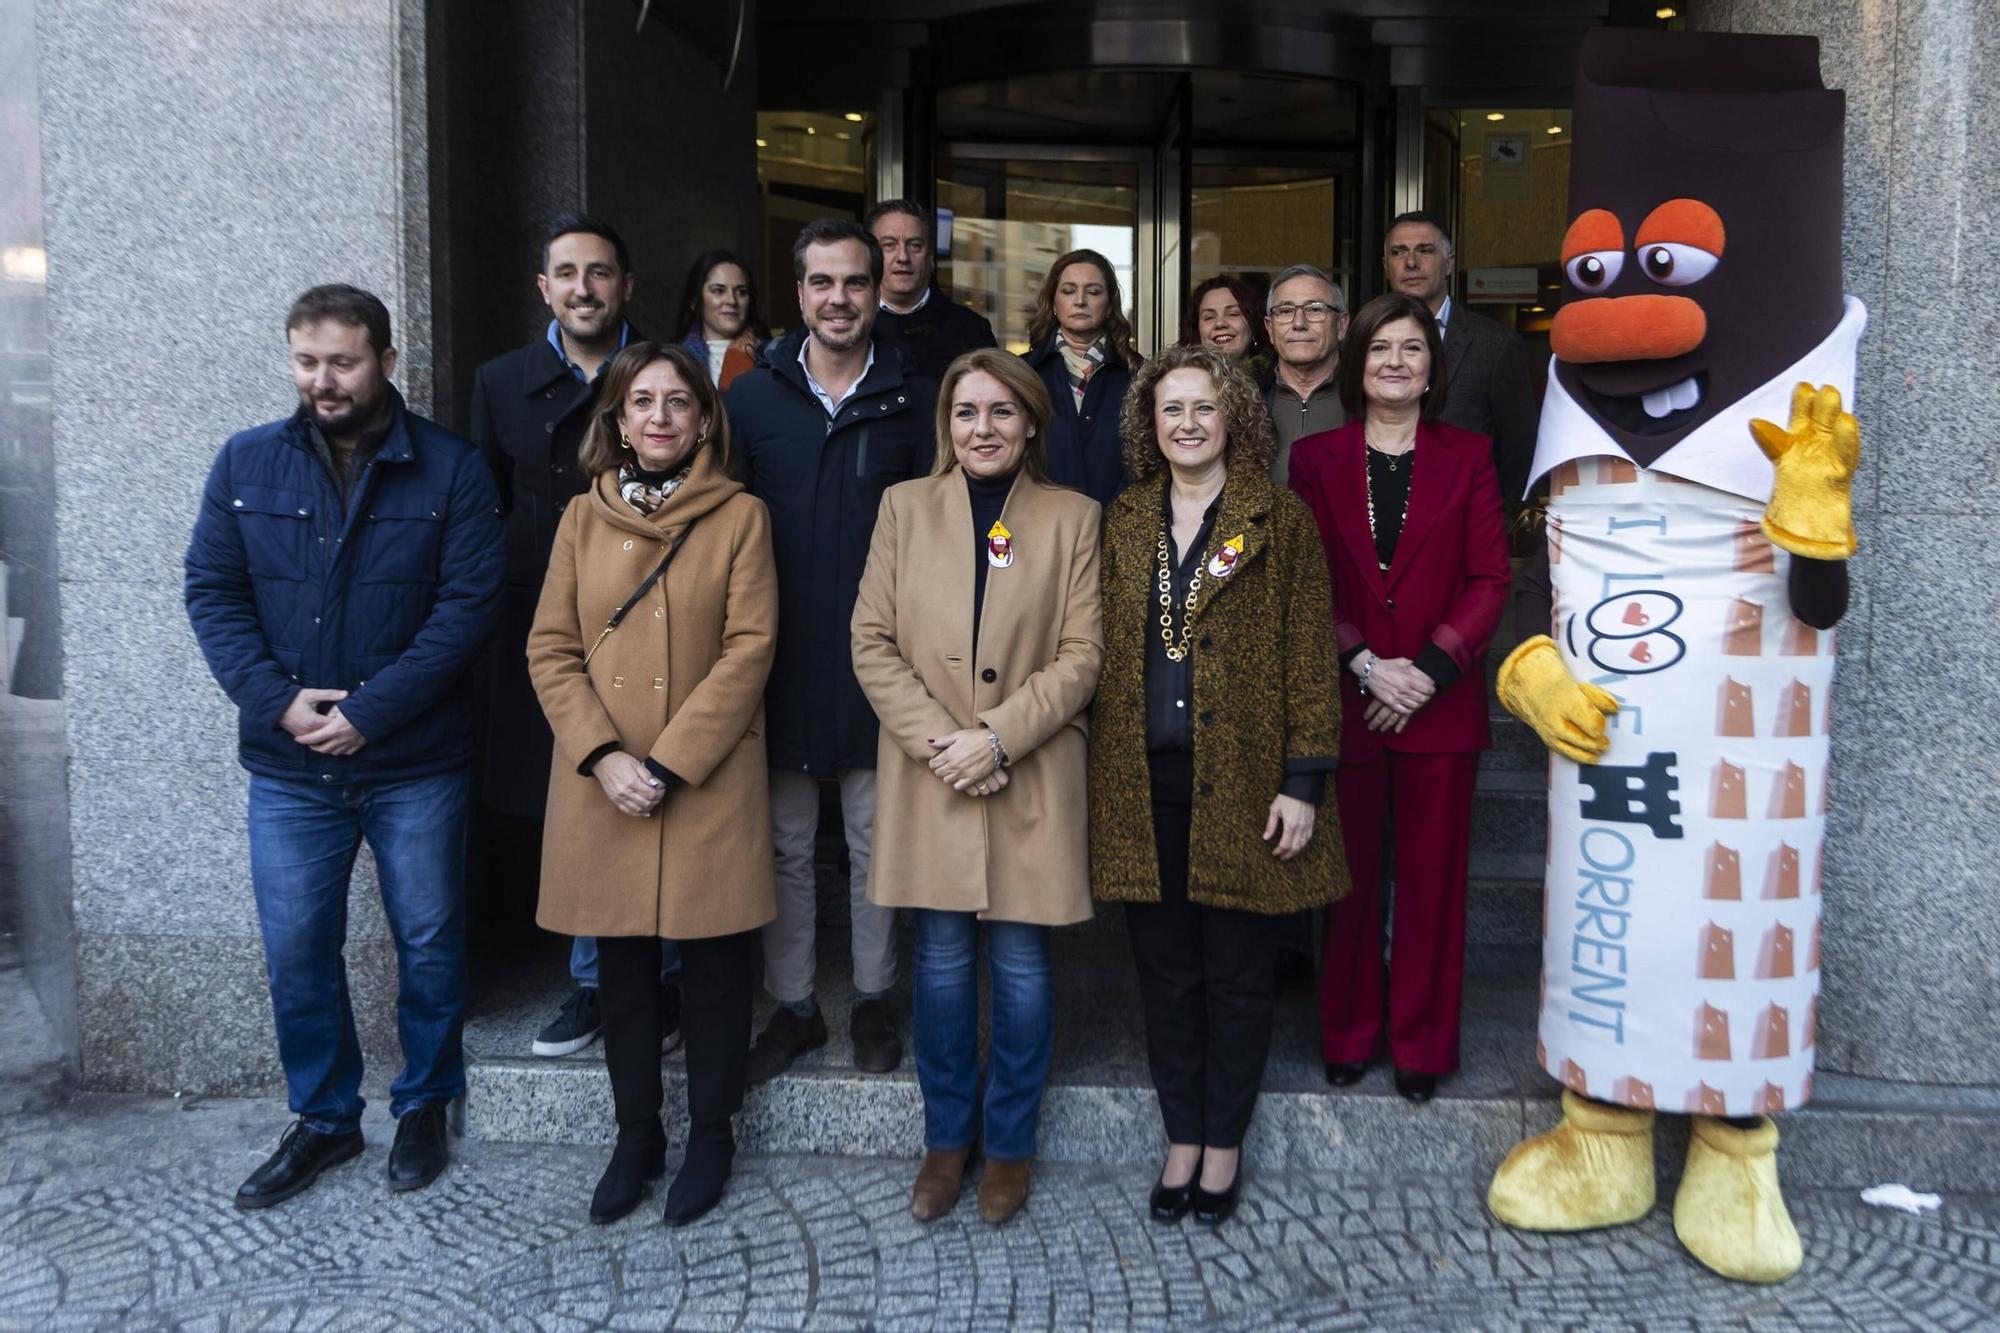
(1446, 587)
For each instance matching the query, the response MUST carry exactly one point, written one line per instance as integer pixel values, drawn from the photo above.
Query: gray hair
(1312, 271)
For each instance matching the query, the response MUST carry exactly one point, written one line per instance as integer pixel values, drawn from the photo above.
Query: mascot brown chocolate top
(1703, 255)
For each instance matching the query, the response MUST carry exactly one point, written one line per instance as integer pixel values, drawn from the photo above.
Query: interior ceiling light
(763, 143)
(1666, 12)
(1496, 115)
(855, 116)
(1555, 129)
(811, 130)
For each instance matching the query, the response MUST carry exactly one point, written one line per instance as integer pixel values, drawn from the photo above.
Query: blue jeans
(303, 840)
(583, 961)
(946, 1026)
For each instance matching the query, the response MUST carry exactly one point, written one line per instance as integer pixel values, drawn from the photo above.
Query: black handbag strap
(645, 586)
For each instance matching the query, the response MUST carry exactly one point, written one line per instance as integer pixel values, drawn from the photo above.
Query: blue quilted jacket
(390, 600)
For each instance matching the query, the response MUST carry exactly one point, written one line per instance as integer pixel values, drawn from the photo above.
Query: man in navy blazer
(343, 573)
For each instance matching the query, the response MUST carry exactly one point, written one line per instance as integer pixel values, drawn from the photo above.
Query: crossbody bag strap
(639, 592)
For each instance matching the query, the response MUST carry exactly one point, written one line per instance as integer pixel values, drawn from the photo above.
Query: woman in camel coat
(977, 639)
(658, 813)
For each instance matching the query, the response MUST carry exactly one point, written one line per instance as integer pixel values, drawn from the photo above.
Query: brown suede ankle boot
(938, 1182)
(1003, 1189)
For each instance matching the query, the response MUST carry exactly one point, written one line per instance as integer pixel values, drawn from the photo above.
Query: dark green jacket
(1266, 703)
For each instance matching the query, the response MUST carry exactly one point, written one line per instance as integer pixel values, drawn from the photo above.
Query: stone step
(1100, 1107)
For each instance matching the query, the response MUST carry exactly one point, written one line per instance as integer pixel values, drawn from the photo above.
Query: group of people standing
(1067, 626)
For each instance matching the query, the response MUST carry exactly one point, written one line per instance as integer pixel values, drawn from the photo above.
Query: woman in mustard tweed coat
(1217, 720)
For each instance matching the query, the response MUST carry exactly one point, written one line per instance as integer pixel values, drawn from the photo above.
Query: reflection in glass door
(1003, 220)
(1250, 221)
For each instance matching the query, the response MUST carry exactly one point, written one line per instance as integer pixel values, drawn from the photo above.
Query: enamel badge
(1223, 563)
(999, 546)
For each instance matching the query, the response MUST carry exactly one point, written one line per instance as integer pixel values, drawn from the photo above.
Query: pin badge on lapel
(1223, 564)
(999, 545)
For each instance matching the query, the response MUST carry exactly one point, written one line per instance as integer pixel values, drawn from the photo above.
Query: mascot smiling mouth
(1649, 411)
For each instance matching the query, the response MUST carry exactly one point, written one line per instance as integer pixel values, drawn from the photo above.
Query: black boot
(302, 1154)
(639, 1156)
(704, 1171)
(421, 1151)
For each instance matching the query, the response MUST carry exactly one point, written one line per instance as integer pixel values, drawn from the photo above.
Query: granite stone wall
(1912, 947)
(203, 164)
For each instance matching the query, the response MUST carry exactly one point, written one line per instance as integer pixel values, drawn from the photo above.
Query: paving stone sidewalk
(115, 1213)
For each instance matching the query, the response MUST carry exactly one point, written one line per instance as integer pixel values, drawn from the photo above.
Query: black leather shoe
(699, 1183)
(1345, 1074)
(302, 1154)
(1211, 1208)
(420, 1153)
(878, 1048)
(636, 1159)
(784, 1039)
(1170, 1203)
(1417, 1088)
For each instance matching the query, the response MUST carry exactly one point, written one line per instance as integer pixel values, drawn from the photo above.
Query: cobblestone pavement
(115, 1213)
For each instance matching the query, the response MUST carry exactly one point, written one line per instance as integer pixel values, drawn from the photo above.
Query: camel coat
(1022, 854)
(680, 681)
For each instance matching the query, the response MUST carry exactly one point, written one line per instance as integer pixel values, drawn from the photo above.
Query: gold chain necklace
(1368, 483)
(1175, 651)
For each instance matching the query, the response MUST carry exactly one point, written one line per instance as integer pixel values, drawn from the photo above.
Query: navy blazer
(1446, 586)
(390, 600)
(822, 478)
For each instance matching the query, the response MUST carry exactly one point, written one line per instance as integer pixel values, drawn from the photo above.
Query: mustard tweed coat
(1266, 693)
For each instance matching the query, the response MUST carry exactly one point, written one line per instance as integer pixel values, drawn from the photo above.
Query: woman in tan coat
(977, 639)
(649, 652)
(1215, 726)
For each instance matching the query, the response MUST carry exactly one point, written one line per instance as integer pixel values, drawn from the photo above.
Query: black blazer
(1490, 392)
(528, 417)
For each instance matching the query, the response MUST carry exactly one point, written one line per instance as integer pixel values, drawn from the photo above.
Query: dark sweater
(989, 497)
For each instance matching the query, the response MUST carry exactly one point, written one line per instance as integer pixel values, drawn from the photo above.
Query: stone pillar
(1912, 947)
(202, 166)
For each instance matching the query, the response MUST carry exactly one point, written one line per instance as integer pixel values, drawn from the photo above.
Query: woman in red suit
(1409, 511)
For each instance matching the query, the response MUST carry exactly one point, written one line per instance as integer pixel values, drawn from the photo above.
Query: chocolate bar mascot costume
(1698, 460)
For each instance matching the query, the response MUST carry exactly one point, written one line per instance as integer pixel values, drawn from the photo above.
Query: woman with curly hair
(1216, 722)
(1081, 346)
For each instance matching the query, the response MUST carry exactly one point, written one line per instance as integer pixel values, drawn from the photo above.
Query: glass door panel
(1251, 221)
(1002, 221)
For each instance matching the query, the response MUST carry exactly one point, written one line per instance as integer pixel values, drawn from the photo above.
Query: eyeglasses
(1316, 312)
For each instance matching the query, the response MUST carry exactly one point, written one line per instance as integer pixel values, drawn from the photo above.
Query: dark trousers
(1424, 803)
(715, 1017)
(1207, 980)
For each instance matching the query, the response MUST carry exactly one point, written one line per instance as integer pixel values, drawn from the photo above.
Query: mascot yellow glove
(1566, 713)
(1811, 512)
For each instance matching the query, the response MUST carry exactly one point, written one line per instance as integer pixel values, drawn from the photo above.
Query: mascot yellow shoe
(1729, 1212)
(1593, 1170)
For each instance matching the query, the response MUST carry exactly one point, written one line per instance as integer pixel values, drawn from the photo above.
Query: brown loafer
(939, 1180)
(1003, 1189)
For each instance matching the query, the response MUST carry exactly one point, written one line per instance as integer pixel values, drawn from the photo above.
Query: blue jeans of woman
(947, 1032)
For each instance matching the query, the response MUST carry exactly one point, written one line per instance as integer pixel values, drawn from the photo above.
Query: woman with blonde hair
(977, 639)
(649, 652)
(1081, 346)
(1216, 723)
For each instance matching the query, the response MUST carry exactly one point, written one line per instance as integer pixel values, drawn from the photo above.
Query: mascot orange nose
(1627, 328)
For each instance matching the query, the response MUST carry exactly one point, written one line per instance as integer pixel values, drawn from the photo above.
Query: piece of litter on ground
(1900, 1196)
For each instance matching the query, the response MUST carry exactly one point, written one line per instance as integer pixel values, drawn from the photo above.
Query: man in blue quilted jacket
(343, 574)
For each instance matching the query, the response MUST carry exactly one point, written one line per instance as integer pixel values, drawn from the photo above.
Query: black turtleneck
(989, 497)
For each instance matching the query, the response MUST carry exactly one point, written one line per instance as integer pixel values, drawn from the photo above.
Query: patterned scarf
(647, 491)
(1081, 365)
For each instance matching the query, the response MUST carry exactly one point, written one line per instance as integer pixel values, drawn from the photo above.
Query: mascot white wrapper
(1697, 452)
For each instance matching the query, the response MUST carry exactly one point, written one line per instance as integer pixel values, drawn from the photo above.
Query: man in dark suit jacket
(1490, 390)
(929, 328)
(530, 408)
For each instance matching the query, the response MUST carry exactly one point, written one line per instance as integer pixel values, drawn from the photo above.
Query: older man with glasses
(1305, 317)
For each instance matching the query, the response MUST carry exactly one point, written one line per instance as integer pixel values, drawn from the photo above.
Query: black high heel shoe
(1212, 1208)
(1416, 1088)
(1345, 1073)
(1170, 1203)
